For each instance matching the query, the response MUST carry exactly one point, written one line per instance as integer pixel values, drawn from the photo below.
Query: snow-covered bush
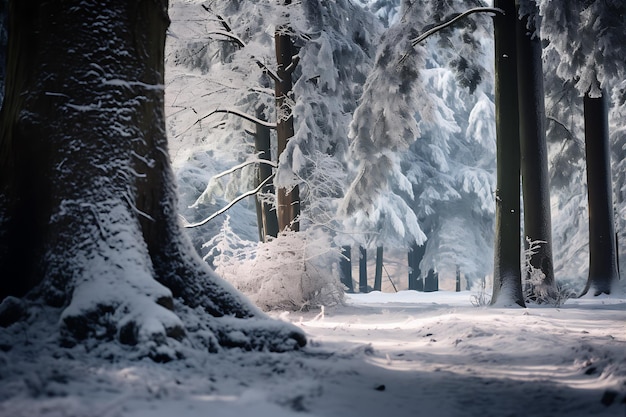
(294, 271)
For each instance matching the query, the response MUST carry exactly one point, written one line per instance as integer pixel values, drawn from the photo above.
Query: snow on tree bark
(88, 217)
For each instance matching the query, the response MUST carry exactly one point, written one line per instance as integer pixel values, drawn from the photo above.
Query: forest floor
(403, 354)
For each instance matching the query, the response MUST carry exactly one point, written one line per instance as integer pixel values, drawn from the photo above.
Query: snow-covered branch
(241, 114)
(452, 19)
(244, 164)
(228, 33)
(188, 225)
(456, 18)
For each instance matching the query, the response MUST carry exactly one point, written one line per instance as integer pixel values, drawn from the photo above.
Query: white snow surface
(379, 354)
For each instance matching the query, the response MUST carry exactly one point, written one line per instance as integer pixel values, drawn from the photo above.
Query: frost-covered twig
(188, 225)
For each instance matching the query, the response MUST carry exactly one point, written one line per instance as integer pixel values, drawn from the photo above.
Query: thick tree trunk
(416, 254)
(378, 275)
(345, 265)
(603, 272)
(534, 155)
(363, 270)
(288, 201)
(266, 214)
(87, 201)
(507, 280)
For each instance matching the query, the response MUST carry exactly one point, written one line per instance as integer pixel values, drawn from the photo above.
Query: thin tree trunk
(363, 270)
(266, 214)
(345, 265)
(288, 201)
(507, 285)
(534, 153)
(458, 279)
(603, 272)
(378, 276)
(416, 254)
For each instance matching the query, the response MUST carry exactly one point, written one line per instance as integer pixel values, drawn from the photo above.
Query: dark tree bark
(363, 288)
(603, 272)
(288, 201)
(431, 282)
(345, 265)
(458, 279)
(416, 254)
(507, 279)
(378, 275)
(88, 218)
(266, 214)
(534, 154)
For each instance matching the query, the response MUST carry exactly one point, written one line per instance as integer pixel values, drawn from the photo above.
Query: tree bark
(88, 218)
(378, 275)
(603, 271)
(288, 201)
(416, 254)
(266, 214)
(507, 282)
(363, 270)
(345, 265)
(534, 153)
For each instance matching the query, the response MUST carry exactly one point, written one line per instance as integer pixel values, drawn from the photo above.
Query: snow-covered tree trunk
(603, 273)
(534, 151)
(287, 200)
(88, 217)
(507, 286)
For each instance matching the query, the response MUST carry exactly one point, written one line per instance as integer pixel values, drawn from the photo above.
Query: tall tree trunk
(378, 276)
(458, 279)
(416, 254)
(363, 270)
(507, 279)
(603, 272)
(266, 214)
(534, 153)
(288, 201)
(88, 216)
(345, 265)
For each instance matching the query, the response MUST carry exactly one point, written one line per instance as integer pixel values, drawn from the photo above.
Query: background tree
(507, 287)
(88, 218)
(534, 154)
(584, 38)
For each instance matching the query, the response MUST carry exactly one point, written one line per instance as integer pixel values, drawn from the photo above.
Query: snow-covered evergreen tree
(432, 153)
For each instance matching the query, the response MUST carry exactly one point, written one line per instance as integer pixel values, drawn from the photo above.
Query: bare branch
(188, 225)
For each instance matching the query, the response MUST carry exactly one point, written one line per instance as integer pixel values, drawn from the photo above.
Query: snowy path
(405, 354)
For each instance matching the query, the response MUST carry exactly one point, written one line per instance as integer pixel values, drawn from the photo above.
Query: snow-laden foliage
(294, 271)
(588, 36)
(426, 143)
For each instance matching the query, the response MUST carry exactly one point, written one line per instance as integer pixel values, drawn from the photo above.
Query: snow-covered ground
(405, 354)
